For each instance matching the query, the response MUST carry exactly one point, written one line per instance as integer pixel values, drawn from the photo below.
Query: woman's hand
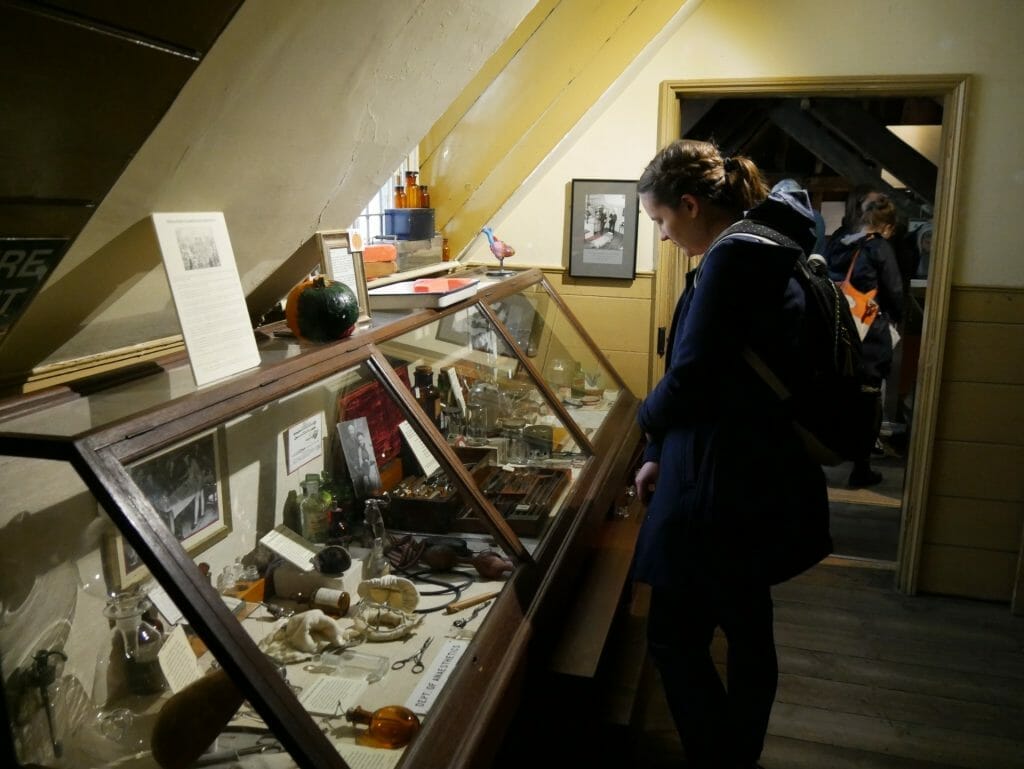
(646, 478)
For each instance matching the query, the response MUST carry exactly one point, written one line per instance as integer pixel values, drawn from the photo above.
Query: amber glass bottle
(412, 190)
(399, 199)
(392, 726)
(424, 196)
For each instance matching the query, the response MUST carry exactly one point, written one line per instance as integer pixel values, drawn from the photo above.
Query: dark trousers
(720, 725)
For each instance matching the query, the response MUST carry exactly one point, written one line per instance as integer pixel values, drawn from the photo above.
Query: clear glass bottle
(314, 511)
(127, 678)
(136, 643)
(578, 388)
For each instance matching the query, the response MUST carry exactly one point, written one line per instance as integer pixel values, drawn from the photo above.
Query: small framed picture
(185, 485)
(341, 259)
(602, 229)
(474, 329)
(357, 446)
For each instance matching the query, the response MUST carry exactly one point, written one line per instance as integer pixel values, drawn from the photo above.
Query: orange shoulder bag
(863, 306)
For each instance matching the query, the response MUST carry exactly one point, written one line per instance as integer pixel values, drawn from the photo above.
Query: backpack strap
(761, 230)
(754, 227)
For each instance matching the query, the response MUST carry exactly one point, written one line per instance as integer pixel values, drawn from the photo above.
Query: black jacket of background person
(731, 465)
(876, 268)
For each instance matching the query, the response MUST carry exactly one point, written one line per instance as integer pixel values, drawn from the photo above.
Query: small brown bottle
(425, 392)
(424, 196)
(333, 603)
(399, 198)
(392, 726)
(412, 190)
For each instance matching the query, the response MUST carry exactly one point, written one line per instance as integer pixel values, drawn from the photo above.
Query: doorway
(900, 136)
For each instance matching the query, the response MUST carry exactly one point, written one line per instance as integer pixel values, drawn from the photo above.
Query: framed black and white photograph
(474, 329)
(357, 446)
(602, 229)
(185, 486)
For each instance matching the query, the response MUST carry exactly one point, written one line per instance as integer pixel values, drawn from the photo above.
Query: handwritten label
(435, 678)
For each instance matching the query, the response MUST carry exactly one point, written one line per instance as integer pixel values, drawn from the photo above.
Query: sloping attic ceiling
(85, 82)
(828, 144)
(288, 124)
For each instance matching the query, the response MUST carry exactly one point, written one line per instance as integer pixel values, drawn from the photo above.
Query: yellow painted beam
(531, 93)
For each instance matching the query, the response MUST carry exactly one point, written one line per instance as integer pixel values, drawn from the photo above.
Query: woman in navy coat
(723, 464)
(876, 269)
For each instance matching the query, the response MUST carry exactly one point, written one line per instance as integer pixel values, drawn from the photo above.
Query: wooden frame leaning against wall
(952, 90)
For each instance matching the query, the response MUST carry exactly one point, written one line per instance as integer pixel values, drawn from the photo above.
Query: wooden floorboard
(871, 679)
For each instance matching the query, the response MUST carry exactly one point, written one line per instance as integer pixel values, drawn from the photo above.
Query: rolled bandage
(390, 590)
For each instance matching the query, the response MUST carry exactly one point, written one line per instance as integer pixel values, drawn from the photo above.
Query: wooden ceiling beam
(848, 119)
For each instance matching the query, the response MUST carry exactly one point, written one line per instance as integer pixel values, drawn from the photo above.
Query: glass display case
(342, 558)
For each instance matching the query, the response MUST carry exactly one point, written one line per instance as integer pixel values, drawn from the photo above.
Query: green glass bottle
(314, 511)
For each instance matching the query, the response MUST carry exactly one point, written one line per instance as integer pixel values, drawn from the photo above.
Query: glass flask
(128, 678)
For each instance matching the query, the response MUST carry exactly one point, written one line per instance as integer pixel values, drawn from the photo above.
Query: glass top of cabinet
(562, 357)
(273, 517)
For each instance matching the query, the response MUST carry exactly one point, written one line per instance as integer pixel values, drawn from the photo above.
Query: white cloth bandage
(308, 633)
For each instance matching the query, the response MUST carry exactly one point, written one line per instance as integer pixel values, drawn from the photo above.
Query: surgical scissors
(416, 659)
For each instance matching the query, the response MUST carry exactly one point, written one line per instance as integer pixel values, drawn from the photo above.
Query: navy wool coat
(732, 470)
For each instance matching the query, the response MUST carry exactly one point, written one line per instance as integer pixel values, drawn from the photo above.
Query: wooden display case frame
(470, 716)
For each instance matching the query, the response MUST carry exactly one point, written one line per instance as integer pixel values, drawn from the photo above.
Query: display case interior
(301, 560)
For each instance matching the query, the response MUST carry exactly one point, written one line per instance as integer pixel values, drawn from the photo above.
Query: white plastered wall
(745, 39)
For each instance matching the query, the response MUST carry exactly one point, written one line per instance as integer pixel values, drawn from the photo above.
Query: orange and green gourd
(321, 310)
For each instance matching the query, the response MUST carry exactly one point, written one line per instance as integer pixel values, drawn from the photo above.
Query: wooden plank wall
(617, 315)
(975, 518)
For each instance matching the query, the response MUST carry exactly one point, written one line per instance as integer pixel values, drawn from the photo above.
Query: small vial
(333, 603)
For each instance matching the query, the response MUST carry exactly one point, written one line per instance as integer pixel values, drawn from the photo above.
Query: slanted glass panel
(282, 550)
(474, 387)
(565, 359)
(300, 508)
(98, 672)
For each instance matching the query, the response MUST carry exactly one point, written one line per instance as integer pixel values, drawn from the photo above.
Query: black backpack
(834, 409)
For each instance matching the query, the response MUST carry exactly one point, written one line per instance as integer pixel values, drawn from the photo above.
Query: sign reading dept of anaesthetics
(25, 264)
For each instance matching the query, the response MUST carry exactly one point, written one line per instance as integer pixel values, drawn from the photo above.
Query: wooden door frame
(953, 90)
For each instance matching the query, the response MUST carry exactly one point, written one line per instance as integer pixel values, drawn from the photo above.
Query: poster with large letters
(25, 264)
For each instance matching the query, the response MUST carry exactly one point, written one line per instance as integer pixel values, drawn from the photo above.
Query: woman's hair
(855, 203)
(689, 167)
(879, 212)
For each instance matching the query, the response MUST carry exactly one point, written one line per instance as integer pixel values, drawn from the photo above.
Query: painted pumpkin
(321, 310)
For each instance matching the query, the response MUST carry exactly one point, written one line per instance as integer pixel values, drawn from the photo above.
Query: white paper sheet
(290, 546)
(177, 661)
(207, 294)
(305, 441)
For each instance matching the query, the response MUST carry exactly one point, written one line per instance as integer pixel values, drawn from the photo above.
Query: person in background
(855, 200)
(792, 185)
(722, 459)
(876, 268)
